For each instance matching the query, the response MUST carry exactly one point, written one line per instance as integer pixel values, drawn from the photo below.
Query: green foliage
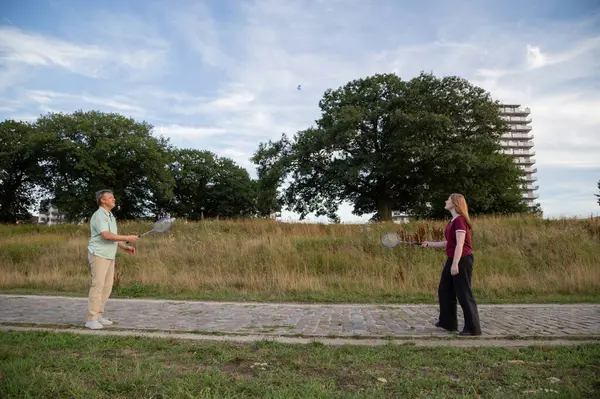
(94, 150)
(383, 143)
(536, 210)
(20, 169)
(64, 159)
(211, 186)
(272, 167)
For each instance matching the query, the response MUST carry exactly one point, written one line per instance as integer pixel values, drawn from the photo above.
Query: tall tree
(21, 169)
(272, 164)
(598, 195)
(233, 192)
(94, 150)
(210, 186)
(386, 144)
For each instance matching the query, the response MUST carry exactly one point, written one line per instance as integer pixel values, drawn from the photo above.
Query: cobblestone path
(309, 320)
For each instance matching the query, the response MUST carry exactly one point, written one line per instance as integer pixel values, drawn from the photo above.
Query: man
(102, 249)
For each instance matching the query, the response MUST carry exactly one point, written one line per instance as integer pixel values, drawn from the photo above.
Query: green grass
(47, 365)
(333, 296)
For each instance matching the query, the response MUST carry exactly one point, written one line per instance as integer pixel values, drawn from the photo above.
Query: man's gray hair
(100, 194)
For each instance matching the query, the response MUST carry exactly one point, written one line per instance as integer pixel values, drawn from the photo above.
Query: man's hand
(132, 238)
(130, 250)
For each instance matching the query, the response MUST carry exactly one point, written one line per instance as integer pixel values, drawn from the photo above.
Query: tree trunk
(385, 211)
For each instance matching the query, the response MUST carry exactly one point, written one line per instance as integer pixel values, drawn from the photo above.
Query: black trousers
(459, 286)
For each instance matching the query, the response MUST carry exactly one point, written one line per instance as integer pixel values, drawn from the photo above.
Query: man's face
(108, 200)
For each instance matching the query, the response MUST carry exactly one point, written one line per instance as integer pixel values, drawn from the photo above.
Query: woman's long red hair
(461, 207)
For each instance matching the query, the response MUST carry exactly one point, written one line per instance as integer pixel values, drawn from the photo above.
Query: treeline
(381, 144)
(65, 158)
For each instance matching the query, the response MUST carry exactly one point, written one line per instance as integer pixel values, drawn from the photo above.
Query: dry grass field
(517, 259)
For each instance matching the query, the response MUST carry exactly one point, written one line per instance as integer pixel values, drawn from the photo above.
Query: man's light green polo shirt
(102, 220)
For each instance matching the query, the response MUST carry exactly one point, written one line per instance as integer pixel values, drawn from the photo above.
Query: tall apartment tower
(519, 143)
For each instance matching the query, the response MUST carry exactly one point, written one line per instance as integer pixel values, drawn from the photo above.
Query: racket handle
(127, 242)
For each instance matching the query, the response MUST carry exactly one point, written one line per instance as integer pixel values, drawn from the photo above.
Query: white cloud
(537, 59)
(233, 100)
(20, 48)
(25, 118)
(188, 132)
(73, 102)
(37, 50)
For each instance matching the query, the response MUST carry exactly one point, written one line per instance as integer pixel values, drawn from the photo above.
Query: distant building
(399, 217)
(50, 214)
(519, 144)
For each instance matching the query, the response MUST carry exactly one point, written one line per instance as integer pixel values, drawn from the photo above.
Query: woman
(456, 276)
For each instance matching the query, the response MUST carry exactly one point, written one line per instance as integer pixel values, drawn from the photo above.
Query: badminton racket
(391, 239)
(160, 226)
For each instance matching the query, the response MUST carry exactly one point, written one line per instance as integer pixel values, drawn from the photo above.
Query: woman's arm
(434, 244)
(460, 242)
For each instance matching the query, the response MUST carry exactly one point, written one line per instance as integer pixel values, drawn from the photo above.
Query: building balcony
(531, 187)
(518, 136)
(516, 144)
(529, 178)
(524, 160)
(530, 170)
(520, 128)
(530, 196)
(522, 110)
(514, 110)
(517, 119)
(518, 152)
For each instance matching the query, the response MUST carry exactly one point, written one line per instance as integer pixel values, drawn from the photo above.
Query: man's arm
(107, 235)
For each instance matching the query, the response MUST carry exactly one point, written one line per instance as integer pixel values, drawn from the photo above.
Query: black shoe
(445, 328)
(466, 333)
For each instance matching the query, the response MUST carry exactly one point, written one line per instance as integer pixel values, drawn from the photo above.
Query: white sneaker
(105, 322)
(93, 325)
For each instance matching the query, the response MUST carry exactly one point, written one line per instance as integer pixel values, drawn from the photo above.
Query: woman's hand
(454, 270)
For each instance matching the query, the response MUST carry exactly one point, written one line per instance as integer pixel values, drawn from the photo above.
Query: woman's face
(449, 205)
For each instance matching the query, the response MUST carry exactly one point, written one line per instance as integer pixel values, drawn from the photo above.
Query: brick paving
(309, 320)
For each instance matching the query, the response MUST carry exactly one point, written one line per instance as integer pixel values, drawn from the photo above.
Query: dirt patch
(239, 371)
(243, 369)
(126, 352)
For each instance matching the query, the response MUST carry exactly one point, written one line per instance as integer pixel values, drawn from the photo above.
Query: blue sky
(221, 75)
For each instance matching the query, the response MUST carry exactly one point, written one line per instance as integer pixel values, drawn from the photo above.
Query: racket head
(390, 239)
(163, 224)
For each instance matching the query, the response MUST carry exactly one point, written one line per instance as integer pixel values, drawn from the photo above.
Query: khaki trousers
(103, 273)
